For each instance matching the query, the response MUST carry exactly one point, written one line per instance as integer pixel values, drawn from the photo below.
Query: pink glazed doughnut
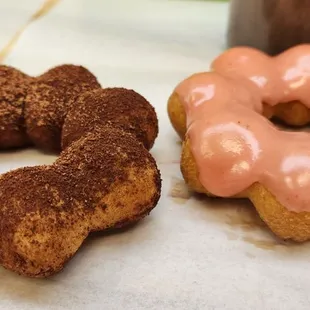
(231, 149)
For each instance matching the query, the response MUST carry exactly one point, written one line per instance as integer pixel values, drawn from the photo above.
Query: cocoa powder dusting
(115, 106)
(101, 158)
(40, 192)
(13, 89)
(47, 211)
(49, 100)
(105, 179)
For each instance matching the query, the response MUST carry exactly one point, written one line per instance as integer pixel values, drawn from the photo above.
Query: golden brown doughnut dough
(189, 170)
(292, 113)
(282, 222)
(177, 115)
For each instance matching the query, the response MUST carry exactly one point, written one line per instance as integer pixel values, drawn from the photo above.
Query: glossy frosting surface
(233, 144)
(281, 78)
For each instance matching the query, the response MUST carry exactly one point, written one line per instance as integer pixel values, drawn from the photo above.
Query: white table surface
(189, 253)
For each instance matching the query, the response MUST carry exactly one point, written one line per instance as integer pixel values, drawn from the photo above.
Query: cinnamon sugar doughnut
(13, 89)
(104, 179)
(116, 106)
(230, 147)
(49, 100)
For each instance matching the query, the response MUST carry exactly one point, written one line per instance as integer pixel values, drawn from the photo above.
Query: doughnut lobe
(285, 224)
(41, 222)
(177, 114)
(67, 74)
(115, 174)
(190, 171)
(49, 100)
(13, 89)
(119, 107)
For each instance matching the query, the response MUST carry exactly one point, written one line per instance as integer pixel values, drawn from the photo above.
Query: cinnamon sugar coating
(104, 179)
(13, 90)
(49, 100)
(119, 107)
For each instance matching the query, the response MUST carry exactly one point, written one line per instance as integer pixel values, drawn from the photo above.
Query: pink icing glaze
(294, 71)
(233, 145)
(204, 87)
(254, 65)
(283, 78)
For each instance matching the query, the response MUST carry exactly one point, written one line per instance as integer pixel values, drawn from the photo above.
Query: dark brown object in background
(269, 25)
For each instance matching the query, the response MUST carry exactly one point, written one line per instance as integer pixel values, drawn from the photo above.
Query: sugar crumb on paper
(179, 190)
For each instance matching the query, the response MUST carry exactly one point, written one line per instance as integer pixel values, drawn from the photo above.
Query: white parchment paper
(191, 252)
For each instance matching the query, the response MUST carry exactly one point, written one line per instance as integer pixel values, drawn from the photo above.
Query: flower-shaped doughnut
(231, 149)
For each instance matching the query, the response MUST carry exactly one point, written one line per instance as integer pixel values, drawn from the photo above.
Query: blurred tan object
(269, 25)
